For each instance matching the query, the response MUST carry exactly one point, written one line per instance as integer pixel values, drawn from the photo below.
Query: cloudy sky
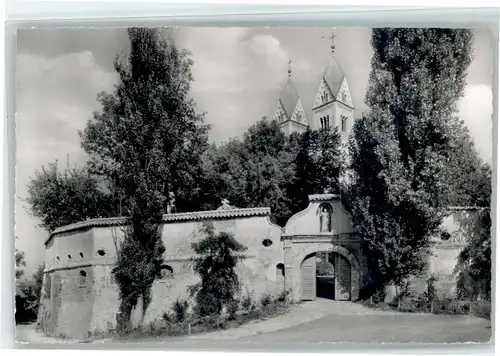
(238, 73)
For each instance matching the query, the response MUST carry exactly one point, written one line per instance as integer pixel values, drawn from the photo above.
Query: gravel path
(299, 314)
(319, 321)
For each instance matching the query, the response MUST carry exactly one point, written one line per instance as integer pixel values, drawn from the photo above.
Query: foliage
(398, 192)
(474, 262)
(146, 143)
(179, 312)
(28, 303)
(215, 264)
(20, 262)
(64, 197)
(269, 169)
(317, 166)
(469, 178)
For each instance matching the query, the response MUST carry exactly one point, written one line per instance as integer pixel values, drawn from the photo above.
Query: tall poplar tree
(398, 193)
(147, 142)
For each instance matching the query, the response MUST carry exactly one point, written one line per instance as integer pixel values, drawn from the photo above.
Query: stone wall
(73, 308)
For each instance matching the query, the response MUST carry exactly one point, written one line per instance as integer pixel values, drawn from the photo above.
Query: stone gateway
(316, 255)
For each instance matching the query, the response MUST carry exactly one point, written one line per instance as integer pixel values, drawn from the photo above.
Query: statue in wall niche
(325, 220)
(225, 205)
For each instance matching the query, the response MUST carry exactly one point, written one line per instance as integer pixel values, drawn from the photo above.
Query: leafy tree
(60, 198)
(20, 262)
(269, 169)
(147, 143)
(317, 165)
(398, 193)
(468, 176)
(474, 262)
(28, 302)
(215, 264)
(255, 171)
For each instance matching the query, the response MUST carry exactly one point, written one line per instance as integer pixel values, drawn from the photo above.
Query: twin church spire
(332, 105)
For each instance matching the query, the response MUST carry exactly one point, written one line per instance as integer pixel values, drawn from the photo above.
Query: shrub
(215, 264)
(284, 297)
(482, 309)
(247, 303)
(180, 309)
(232, 309)
(266, 300)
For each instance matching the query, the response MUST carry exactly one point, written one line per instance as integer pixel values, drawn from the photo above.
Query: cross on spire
(332, 37)
(289, 68)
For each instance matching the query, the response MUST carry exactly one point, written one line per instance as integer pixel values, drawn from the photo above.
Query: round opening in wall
(445, 235)
(81, 255)
(69, 256)
(267, 242)
(57, 258)
(101, 252)
(83, 273)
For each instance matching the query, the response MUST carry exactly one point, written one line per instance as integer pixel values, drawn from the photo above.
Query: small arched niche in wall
(166, 272)
(82, 278)
(81, 255)
(101, 252)
(267, 242)
(280, 271)
(325, 213)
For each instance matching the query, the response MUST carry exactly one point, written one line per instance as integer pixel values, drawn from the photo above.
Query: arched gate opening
(330, 275)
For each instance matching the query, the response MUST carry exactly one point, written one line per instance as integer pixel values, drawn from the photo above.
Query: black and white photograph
(253, 185)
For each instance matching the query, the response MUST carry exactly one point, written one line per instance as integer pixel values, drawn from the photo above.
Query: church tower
(289, 112)
(333, 106)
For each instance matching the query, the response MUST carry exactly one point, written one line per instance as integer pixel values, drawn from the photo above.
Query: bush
(284, 297)
(247, 303)
(482, 309)
(232, 308)
(180, 309)
(266, 300)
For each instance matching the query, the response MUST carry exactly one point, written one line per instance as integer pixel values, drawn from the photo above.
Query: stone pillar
(291, 273)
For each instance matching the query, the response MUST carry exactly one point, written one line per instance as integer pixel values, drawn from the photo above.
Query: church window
(325, 122)
(344, 123)
(82, 278)
(344, 97)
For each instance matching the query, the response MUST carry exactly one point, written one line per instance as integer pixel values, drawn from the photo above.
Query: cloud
(228, 60)
(55, 98)
(476, 109)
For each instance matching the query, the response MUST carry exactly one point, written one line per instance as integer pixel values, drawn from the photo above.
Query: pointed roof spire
(332, 37)
(289, 68)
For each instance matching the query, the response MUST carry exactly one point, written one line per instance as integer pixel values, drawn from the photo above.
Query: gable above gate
(324, 215)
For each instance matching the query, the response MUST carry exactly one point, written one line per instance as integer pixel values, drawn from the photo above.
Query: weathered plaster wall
(307, 222)
(77, 310)
(257, 271)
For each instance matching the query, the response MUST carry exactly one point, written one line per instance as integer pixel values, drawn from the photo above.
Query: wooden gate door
(308, 277)
(343, 280)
